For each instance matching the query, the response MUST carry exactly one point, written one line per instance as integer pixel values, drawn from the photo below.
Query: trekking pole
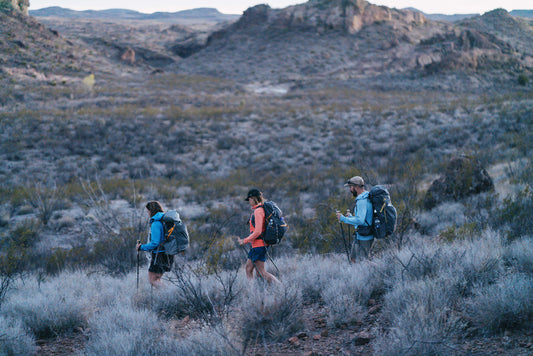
(271, 260)
(349, 231)
(138, 242)
(344, 242)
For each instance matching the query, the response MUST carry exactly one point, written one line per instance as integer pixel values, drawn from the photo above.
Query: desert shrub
(521, 172)
(196, 293)
(475, 263)
(419, 318)
(117, 230)
(523, 79)
(212, 340)
(270, 312)
(50, 311)
(320, 232)
(57, 260)
(348, 293)
(14, 338)
(312, 273)
(514, 215)
(519, 255)
(44, 199)
(121, 330)
(505, 305)
(459, 232)
(15, 254)
(469, 263)
(442, 217)
(116, 253)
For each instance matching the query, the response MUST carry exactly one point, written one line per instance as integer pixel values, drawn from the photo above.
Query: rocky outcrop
(128, 56)
(21, 6)
(321, 15)
(464, 176)
(460, 49)
(189, 46)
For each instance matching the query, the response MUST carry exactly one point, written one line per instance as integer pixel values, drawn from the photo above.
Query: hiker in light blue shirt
(362, 219)
(160, 261)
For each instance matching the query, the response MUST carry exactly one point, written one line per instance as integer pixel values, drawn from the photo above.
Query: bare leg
(249, 269)
(268, 276)
(155, 279)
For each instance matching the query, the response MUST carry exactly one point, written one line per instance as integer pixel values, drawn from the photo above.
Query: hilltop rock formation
(322, 15)
(464, 176)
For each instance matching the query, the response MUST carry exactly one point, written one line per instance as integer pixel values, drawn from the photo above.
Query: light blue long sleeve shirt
(362, 215)
(156, 234)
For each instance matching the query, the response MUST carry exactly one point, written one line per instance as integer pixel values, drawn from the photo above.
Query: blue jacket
(156, 234)
(362, 214)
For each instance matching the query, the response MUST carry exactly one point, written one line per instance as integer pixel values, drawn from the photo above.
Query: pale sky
(238, 6)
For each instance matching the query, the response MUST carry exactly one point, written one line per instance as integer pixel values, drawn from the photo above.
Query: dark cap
(253, 193)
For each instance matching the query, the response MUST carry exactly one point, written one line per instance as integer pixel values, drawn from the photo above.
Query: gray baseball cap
(355, 181)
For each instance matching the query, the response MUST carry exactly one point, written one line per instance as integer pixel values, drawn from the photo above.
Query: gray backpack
(175, 233)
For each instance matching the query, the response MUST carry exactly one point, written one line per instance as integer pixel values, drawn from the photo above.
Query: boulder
(464, 176)
(361, 338)
(128, 56)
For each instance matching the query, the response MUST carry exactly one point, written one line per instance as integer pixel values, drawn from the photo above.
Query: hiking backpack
(275, 223)
(384, 214)
(175, 233)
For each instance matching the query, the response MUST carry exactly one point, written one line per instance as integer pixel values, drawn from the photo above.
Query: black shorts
(257, 253)
(160, 263)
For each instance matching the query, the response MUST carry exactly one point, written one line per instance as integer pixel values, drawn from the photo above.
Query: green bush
(15, 254)
(523, 79)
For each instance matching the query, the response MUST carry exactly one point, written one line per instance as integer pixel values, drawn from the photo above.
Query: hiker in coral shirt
(257, 254)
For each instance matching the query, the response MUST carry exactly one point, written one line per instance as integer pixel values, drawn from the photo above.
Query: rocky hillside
(499, 24)
(354, 40)
(351, 42)
(29, 46)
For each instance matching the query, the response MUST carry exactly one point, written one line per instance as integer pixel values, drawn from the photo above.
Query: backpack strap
(163, 240)
(372, 209)
(252, 218)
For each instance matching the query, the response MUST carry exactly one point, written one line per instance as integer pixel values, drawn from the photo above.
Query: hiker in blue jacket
(160, 261)
(362, 219)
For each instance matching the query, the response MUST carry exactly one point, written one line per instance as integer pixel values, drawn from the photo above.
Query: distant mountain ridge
(207, 14)
(522, 13)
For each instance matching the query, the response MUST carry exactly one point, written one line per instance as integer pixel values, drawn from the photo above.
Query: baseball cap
(253, 193)
(355, 181)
